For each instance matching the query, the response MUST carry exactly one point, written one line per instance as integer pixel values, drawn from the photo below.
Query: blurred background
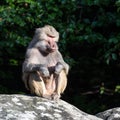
(89, 41)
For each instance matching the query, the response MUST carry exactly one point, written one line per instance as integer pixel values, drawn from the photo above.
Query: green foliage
(78, 21)
(118, 5)
(117, 89)
(89, 40)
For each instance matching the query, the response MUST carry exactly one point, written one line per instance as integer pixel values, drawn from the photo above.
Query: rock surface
(112, 114)
(22, 107)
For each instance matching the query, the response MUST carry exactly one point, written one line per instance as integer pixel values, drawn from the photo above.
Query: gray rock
(112, 114)
(22, 107)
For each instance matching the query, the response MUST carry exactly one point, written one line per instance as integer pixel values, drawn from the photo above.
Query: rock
(111, 114)
(22, 107)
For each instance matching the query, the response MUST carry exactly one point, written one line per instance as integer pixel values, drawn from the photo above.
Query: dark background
(89, 41)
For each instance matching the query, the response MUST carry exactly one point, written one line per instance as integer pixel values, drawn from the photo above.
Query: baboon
(44, 70)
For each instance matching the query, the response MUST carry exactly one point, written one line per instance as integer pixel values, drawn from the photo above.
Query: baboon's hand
(58, 68)
(44, 71)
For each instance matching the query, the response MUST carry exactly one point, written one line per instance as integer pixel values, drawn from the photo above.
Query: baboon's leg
(37, 85)
(61, 83)
(25, 78)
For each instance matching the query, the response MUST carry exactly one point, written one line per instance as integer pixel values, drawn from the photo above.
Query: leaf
(13, 62)
(102, 90)
(117, 88)
(114, 56)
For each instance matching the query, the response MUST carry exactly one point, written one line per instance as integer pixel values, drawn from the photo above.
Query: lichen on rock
(23, 107)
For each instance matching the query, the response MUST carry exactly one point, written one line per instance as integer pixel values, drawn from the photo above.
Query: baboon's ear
(57, 37)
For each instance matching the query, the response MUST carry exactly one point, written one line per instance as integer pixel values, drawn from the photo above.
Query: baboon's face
(47, 38)
(47, 46)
